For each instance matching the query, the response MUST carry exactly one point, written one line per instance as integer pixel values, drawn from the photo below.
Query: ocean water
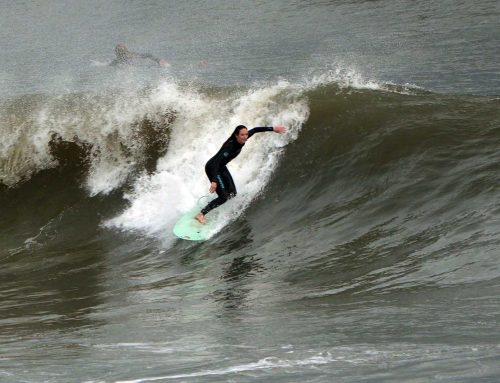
(363, 244)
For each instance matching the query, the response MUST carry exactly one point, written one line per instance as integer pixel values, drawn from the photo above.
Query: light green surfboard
(188, 227)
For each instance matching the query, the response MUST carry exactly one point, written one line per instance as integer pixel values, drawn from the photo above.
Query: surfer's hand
(213, 186)
(279, 129)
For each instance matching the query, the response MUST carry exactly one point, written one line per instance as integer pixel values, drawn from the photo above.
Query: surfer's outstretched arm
(277, 129)
(160, 62)
(125, 56)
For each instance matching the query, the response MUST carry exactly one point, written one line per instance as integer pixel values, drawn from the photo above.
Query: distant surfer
(125, 56)
(221, 181)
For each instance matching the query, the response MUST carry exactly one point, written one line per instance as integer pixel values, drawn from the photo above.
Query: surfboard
(188, 227)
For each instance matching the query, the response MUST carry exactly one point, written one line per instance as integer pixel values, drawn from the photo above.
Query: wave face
(404, 154)
(373, 215)
(405, 182)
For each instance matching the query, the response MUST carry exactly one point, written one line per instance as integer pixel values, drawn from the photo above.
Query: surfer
(221, 181)
(125, 56)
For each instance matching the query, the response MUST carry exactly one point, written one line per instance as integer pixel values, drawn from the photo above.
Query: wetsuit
(217, 171)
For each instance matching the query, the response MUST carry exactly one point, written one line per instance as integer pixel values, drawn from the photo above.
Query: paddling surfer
(125, 56)
(221, 181)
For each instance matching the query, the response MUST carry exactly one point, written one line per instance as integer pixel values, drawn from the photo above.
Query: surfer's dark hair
(236, 132)
(238, 129)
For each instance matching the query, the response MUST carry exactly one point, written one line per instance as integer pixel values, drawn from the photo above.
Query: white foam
(346, 76)
(202, 125)
(23, 149)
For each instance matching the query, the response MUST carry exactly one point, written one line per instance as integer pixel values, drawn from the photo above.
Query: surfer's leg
(210, 206)
(213, 204)
(225, 190)
(229, 183)
(200, 217)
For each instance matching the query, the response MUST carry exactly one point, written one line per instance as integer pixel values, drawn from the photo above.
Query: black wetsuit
(217, 171)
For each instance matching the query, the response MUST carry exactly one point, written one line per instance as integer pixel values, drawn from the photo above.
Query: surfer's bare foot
(201, 218)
